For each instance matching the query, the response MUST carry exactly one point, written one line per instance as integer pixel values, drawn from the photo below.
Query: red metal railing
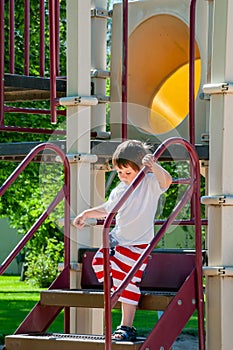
(124, 129)
(192, 72)
(12, 36)
(63, 193)
(53, 57)
(192, 190)
(54, 48)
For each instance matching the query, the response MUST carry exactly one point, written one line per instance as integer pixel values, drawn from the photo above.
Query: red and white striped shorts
(121, 263)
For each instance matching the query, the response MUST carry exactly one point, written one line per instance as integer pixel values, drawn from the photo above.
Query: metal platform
(30, 88)
(16, 151)
(54, 341)
(156, 300)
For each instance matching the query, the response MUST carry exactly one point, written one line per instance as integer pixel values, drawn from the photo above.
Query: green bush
(42, 266)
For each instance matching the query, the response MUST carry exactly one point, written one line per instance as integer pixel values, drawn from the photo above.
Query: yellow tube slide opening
(158, 71)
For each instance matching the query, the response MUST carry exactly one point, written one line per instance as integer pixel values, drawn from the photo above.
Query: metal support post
(219, 286)
(78, 134)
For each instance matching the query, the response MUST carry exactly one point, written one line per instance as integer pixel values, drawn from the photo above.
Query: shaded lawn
(17, 298)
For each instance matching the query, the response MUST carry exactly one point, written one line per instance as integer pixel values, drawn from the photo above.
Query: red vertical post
(107, 296)
(198, 235)
(1, 62)
(192, 72)
(26, 36)
(52, 61)
(57, 31)
(42, 38)
(195, 203)
(192, 84)
(124, 69)
(67, 237)
(12, 35)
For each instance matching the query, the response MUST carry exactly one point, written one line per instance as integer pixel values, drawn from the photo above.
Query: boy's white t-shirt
(135, 219)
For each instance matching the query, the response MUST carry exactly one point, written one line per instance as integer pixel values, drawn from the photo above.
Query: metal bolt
(179, 302)
(161, 348)
(193, 301)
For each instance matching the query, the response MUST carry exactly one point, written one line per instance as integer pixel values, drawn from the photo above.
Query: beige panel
(219, 308)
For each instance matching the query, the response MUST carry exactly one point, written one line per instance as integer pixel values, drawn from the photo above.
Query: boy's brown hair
(130, 153)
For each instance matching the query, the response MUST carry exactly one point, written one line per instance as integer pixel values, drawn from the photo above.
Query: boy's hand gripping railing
(193, 189)
(63, 193)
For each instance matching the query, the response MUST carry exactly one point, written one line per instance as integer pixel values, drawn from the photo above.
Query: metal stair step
(95, 299)
(55, 341)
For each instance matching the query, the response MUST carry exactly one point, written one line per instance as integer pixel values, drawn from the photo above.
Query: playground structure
(143, 91)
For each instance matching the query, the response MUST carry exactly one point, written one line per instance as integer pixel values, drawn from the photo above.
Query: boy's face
(126, 174)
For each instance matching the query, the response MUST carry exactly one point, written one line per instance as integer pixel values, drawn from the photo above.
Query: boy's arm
(163, 177)
(96, 213)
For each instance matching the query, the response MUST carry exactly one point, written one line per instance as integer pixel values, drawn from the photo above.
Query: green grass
(17, 298)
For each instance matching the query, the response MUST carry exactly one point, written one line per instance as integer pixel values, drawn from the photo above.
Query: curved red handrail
(193, 189)
(63, 193)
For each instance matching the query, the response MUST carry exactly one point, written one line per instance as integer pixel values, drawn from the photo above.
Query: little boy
(134, 228)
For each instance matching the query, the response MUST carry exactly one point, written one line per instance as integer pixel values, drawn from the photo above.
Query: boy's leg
(128, 313)
(126, 331)
(98, 265)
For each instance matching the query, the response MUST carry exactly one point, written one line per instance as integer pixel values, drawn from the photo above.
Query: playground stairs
(168, 284)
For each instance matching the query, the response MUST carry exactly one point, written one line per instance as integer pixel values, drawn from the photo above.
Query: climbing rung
(100, 73)
(80, 157)
(78, 101)
(218, 88)
(101, 13)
